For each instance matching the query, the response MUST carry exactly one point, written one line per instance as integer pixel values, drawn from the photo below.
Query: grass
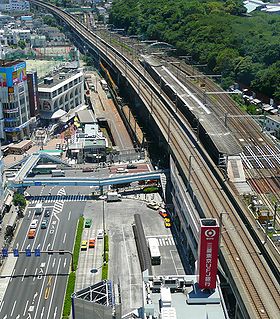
(105, 271)
(105, 258)
(78, 242)
(150, 189)
(72, 276)
(69, 290)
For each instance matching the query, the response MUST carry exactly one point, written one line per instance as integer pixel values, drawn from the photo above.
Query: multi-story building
(272, 125)
(61, 92)
(12, 36)
(14, 108)
(14, 5)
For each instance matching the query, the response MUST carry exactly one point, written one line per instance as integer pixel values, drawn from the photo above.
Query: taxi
(91, 243)
(31, 233)
(84, 245)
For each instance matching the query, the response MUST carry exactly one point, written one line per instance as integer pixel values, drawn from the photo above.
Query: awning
(58, 114)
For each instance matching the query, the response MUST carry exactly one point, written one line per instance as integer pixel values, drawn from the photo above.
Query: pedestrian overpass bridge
(84, 181)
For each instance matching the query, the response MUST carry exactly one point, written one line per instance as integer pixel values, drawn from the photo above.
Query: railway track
(253, 137)
(261, 303)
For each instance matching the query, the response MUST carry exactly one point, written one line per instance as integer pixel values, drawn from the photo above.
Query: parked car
(131, 166)
(122, 170)
(167, 224)
(163, 213)
(153, 205)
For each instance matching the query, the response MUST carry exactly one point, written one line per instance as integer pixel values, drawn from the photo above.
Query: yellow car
(167, 224)
(167, 219)
(84, 245)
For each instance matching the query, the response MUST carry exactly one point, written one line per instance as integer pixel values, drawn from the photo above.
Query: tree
(22, 44)
(19, 200)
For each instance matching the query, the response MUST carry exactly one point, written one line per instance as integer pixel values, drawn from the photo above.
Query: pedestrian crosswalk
(55, 198)
(164, 240)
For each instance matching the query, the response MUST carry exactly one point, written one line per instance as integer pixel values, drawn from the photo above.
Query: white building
(272, 125)
(14, 5)
(14, 35)
(61, 92)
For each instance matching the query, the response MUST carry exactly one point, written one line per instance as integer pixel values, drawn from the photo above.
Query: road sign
(5, 252)
(16, 254)
(28, 252)
(37, 252)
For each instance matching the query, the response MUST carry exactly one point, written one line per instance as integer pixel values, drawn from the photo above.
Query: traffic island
(72, 276)
(105, 258)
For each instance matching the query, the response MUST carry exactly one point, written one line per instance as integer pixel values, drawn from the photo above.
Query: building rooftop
(86, 116)
(58, 79)
(5, 63)
(178, 297)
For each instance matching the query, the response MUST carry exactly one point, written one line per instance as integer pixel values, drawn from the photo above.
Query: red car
(163, 213)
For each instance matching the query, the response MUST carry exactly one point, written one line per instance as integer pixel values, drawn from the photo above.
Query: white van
(100, 234)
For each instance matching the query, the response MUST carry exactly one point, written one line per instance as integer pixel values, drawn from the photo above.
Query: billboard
(208, 253)
(11, 75)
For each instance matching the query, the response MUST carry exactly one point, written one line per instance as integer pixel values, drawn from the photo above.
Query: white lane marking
(13, 309)
(25, 308)
(22, 279)
(129, 271)
(55, 312)
(65, 262)
(42, 286)
(34, 277)
(64, 238)
(12, 274)
(57, 271)
(42, 313)
(2, 304)
(29, 212)
(53, 262)
(69, 216)
(173, 261)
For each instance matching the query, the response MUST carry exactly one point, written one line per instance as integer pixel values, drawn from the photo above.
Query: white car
(122, 170)
(100, 234)
(34, 224)
(153, 205)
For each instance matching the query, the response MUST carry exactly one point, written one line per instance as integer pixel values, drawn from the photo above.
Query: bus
(44, 169)
(154, 251)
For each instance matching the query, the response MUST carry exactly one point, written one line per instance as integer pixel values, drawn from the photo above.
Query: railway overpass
(256, 290)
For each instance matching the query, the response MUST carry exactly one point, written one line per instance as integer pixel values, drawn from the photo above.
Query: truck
(38, 209)
(58, 173)
(113, 197)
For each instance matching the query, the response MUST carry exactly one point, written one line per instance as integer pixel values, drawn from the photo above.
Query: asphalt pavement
(36, 282)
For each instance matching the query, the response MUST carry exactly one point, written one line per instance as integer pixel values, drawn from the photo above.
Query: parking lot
(124, 267)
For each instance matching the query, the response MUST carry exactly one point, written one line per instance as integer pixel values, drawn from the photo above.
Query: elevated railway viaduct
(252, 275)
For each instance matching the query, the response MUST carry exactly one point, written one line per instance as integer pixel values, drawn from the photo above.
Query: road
(37, 281)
